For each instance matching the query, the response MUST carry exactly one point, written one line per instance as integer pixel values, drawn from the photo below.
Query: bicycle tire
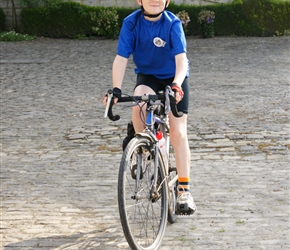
(172, 199)
(143, 219)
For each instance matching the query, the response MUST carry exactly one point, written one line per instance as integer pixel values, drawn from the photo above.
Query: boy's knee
(177, 135)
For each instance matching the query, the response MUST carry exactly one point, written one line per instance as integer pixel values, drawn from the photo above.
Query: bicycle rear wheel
(143, 216)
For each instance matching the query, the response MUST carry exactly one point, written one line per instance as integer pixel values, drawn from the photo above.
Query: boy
(156, 39)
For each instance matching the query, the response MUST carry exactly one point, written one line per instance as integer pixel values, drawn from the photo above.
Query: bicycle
(147, 182)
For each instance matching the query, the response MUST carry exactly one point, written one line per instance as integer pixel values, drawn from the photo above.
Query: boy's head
(153, 8)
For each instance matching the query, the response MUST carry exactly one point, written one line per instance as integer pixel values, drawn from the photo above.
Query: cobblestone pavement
(59, 157)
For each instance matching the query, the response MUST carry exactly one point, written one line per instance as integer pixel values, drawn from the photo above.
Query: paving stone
(60, 157)
(214, 136)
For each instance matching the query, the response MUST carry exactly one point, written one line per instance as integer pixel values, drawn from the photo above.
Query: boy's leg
(178, 136)
(137, 121)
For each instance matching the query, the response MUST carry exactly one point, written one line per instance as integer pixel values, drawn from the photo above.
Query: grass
(240, 222)
(12, 36)
(186, 239)
(107, 148)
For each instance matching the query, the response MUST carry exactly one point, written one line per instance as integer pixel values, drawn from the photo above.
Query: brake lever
(167, 100)
(109, 99)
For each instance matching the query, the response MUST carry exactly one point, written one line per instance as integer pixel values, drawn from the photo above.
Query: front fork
(155, 186)
(153, 192)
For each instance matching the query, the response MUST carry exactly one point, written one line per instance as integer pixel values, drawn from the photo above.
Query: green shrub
(2, 19)
(206, 21)
(252, 18)
(231, 20)
(12, 36)
(38, 3)
(240, 18)
(66, 20)
(184, 18)
(106, 22)
(123, 12)
(268, 16)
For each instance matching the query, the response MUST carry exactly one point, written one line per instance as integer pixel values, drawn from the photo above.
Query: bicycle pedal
(184, 210)
(185, 213)
(172, 169)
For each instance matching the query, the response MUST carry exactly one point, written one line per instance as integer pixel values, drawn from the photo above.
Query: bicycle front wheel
(143, 214)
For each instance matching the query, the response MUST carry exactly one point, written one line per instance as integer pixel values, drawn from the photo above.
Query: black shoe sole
(183, 209)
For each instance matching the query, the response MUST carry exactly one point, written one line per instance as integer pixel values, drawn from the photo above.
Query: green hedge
(64, 20)
(240, 18)
(2, 20)
(252, 18)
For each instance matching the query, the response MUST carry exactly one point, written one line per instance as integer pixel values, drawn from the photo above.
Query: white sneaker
(185, 204)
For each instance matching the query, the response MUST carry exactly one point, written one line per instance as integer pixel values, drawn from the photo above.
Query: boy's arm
(118, 71)
(181, 63)
(180, 73)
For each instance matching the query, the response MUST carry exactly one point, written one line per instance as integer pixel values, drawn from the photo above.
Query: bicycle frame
(149, 130)
(169, 105)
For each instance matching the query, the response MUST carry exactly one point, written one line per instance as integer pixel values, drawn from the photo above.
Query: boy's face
(153, 6)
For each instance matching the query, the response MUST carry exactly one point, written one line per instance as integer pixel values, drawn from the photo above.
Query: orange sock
(184, 183)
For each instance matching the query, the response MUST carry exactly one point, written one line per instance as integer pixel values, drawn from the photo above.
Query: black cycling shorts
(159, 84)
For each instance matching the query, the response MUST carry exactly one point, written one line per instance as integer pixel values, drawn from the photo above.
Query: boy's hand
(116, 94)
(178, 92)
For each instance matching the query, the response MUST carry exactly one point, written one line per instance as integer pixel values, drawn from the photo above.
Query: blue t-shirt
(153, 45)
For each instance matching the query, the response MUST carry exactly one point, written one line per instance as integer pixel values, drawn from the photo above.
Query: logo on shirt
(158, 42)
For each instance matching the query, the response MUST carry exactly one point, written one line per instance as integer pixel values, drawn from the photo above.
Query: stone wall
(12, 17)
(11, 14)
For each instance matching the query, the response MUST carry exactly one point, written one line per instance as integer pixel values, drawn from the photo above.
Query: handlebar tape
(173, 107)
(110, 112)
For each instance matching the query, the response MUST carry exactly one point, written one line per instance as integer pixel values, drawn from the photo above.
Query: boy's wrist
(176, 88)
(117, 92)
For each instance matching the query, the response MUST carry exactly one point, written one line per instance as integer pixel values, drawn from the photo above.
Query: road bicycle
(148, 180)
